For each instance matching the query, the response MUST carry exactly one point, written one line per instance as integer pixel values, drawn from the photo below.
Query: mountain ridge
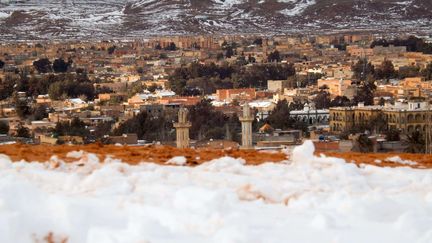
(45, 19)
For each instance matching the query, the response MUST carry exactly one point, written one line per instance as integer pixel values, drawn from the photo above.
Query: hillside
(36, 19)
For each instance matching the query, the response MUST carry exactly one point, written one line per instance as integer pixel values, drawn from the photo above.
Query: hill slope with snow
(35, 19)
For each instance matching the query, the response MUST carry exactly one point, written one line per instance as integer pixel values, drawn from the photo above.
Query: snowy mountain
(34, 19)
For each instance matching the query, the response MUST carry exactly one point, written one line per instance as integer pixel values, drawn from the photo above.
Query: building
(278, 86)
(182, 129)
(246, 122)
(405, 117)
(336, 87)
(311, 116)
(229, 95)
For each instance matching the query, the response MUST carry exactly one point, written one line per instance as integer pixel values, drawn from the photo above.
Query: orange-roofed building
(186, 100)
(229, 95)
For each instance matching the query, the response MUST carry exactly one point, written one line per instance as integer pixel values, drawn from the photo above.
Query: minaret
(246, 121)
(182, 129)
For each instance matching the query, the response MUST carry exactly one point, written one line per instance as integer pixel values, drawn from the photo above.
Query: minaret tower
(246, 121)
(182, 129)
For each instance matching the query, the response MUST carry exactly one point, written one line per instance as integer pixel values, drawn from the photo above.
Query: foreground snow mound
(307, 199)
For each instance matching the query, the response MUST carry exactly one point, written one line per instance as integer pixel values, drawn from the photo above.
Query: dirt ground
(135, 154)
(161, 154)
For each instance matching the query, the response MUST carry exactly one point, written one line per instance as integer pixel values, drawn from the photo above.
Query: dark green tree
(76, 127)
(385, 70)
(280, 116)
(229, 52)
(340, 101)
(207, 123)
(392, 135)
(362, 69)
(365, 92)
(322, 100)
(427, 72)
(22, 108)
(22, 132)
(43, 65)
(415, 143)
(274, 56)
(364, 144)
(258, 41)
(146, 126)
(7, 86)
(102, 129)
(4, 128)
(40, 112)
(60, 66)
(111, 50)
(171, 47)
(378, 123)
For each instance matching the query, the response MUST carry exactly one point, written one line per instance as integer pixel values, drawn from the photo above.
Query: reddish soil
(424, 161)
(135, 154)
(161, 154)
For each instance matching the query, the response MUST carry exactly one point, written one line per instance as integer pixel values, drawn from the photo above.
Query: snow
(398, 160)
(305, 199)
(177, 160)
(299, 6)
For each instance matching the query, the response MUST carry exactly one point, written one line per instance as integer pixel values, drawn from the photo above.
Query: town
(345, 92)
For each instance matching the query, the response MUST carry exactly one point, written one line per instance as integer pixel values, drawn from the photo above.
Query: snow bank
(397, 159)
(177, 160)
(308, 199)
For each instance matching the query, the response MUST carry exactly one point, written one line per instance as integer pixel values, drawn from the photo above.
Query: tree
(362, 69)
(280, 116)
(258, 41)
(229, 52)
(71, 89)
(60, 66)
(415, 143)
(152, 88)
(43, 65)
(7, 86)
(378, 123)
(364, 144)
(111, 50)
(76, 127)
(408, 71)
(102, 129)
(22, 109)
(427, 72)
(146, 126)
(274, 56)
(322, 100)
(392, 135)
(171, 47)
(385, 70)
(4, 128)
(136, 88)
(1, 64)
(207, 123)
(22, 132)
(340, 101)
(365, 92)
(40, 112)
